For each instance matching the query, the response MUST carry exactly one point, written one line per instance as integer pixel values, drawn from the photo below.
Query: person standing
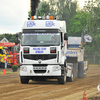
(6, 62)
(6, 58)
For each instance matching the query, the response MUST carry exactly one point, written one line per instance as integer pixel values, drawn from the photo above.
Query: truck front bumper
(49, 70)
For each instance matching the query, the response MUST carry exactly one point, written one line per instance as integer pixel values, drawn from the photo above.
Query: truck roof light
(35, 17)
(39, 17)
(43, 17)
(51, 17)
(47, 17)
(32, 17)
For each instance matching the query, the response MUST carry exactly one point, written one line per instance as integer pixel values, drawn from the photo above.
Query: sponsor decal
(71, 52)
(49, 24)
(31, 24)
(39, 50)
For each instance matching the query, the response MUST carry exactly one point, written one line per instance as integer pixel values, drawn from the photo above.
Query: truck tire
(62, 80)
(24, 80)
(71, 79)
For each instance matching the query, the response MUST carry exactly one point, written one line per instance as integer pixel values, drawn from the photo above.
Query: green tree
(8, 36)
(63, 10)
(1, 36)
(93, 21)
(12, 39)
(93, 26)
(43, 9)
(78, 24)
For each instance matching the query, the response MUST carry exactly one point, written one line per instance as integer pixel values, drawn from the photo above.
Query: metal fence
(92, 59)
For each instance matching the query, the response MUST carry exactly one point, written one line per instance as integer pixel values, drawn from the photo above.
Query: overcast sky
(13, 13)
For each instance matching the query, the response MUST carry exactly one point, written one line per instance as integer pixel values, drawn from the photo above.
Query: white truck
(75, 56)
(45, 56)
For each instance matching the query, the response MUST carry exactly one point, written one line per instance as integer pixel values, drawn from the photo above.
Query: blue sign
(71, 52)
(49, 24)
(31, 24)
(39, 50)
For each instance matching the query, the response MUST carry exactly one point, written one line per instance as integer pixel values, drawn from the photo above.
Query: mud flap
(80, 69)
(75, 69)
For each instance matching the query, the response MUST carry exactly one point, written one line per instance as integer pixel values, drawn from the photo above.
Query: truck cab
(75, 56)
(43, 50)
(13, 51)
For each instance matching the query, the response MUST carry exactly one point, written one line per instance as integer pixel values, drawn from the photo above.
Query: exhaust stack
(34, 5)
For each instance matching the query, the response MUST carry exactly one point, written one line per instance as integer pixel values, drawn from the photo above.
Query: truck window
(6, 51)
(16, 49)
(12, 49)
(41, 39)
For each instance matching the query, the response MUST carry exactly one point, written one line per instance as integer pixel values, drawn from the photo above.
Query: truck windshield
(16, 49)
(40, 39)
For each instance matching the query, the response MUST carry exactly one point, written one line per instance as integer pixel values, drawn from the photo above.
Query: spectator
(30, 40)
(6, 61)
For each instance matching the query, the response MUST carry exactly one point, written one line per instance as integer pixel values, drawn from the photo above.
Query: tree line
(10, 37)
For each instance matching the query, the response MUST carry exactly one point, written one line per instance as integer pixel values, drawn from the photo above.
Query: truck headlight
(26, 50)
(53, 50)
(23, 68)
(56, 68)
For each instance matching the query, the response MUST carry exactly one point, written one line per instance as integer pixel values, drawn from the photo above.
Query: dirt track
(12, 89)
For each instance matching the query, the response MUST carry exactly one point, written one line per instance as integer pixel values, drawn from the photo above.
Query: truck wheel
(24, 80)
(71, 79)
(62, 80)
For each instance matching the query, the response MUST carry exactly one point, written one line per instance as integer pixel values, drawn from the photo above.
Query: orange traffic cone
(84, 96)
(4, 72)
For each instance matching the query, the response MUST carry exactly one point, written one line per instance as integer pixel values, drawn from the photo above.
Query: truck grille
(42, 57)
(39, 71)
(39, 68)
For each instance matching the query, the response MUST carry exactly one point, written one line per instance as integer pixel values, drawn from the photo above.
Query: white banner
(87, 38)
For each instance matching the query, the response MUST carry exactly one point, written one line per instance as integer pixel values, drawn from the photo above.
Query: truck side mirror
(65, 36)
(16, 39)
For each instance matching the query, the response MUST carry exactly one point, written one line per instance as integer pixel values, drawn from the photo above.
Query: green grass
(1, 73)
